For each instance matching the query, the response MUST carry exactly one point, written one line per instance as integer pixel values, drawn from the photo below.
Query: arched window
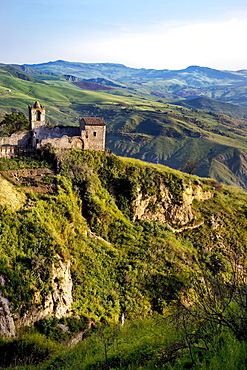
(38, 115)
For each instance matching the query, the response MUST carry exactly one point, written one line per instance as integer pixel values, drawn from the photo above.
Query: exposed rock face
(58, 303)
(167, 210)
(7, 325)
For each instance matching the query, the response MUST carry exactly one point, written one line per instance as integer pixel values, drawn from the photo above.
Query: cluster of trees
(15, 121)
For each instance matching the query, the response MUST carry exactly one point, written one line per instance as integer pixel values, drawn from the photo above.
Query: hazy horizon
(140, 34)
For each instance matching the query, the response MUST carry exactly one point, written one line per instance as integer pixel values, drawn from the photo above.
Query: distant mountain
(18, 72)
(140, 122)
(201, 76)
(191, 82)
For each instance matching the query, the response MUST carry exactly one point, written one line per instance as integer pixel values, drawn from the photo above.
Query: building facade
(89, 135)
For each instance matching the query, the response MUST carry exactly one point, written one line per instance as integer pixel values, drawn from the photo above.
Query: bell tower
(36, 115)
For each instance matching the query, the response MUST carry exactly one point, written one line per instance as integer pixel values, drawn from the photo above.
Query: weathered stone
(166, 209)
(7, 325)
(58, 303)
(89, 135)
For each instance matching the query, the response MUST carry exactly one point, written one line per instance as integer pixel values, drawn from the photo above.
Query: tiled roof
(94, 121)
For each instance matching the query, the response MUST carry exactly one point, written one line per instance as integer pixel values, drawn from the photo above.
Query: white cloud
(218, 45)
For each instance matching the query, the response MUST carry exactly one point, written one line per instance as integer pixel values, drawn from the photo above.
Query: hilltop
(99, 247)
(210, 133)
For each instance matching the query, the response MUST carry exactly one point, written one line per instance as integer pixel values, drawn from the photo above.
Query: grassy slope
(193, 81)
(152, 131)
(232, 110)
(144, 270)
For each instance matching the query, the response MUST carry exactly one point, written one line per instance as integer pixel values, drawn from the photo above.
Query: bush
(31, 349)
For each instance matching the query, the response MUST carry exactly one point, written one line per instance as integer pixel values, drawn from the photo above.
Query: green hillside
(154, 131)
(194, 81)
(211, 105)
(62, 99)
(144, 263)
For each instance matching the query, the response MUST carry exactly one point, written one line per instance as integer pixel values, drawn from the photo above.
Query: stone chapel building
(89, 135)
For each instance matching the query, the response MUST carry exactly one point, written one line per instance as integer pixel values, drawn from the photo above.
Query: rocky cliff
(115, 238)
(165, 208)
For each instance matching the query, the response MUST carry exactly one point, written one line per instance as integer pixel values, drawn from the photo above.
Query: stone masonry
(89, 135)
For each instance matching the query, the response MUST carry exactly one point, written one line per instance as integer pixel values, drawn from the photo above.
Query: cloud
(217, 44)
(170, 45)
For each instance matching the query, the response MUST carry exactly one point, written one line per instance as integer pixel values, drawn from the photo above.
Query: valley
(102, 255)
(172, 132)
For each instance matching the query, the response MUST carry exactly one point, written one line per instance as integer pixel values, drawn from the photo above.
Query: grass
(137, 127)
(146, 344)
(140, 268)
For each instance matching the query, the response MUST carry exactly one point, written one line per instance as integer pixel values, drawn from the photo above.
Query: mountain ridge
(140, 125)
(49, 66)
(228, 86)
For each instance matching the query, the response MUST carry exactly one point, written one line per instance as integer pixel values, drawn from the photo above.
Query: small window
(95, 133)
(38, 115)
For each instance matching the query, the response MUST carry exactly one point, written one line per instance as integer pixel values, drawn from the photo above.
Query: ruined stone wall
(43, 133)
(58, 137)
(7, 151)
(18, 138)
(90, 137)
(64, 142)
(9, 144)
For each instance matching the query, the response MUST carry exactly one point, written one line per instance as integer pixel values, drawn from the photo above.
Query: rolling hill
(229, 86)
(137, 125)
(211, 105)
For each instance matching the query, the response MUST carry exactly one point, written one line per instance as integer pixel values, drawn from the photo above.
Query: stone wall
(18, 138)
(58, 137)
(94, 137)
(64, 142)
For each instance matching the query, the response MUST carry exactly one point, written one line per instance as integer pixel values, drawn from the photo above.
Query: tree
(220, 298)
(190, 166)
(15, 121)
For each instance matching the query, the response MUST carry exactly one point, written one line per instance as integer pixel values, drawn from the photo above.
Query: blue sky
(156, 34)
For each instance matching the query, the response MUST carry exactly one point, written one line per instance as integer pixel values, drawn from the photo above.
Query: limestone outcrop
(167, 209)
(7, 324)
(57, 304)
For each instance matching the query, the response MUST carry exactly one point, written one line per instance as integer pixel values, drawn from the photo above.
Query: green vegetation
(15, 121)
(137, 125)
(182, 294)
(179, 286)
